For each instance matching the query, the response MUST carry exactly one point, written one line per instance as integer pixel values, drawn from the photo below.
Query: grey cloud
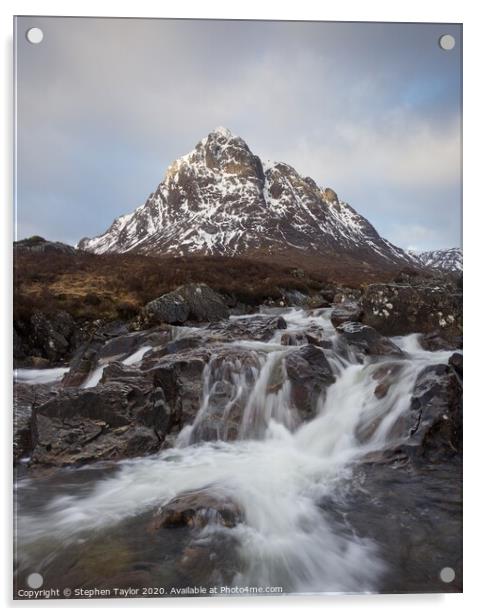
(105, 105)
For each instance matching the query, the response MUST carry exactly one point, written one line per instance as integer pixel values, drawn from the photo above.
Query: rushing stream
(278, 470)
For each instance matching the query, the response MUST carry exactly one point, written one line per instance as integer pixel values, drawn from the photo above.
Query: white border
(349, 10)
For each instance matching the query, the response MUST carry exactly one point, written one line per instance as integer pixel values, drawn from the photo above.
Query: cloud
(106, 104)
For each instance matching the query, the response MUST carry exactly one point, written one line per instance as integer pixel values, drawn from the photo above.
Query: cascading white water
(96, 375)
(278, 473)
(34, 376)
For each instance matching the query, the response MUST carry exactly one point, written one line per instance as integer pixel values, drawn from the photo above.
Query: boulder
(198, 509)
(180, 376)
(49, 336)
(112, 421)
(169, 308)
(348, 311)
(204, 303)
(310, 374)
(456, 361)
(365, 340)
(196, 302)
(207, 558)
(53, 337)
(259, 327)
(426, 306)
(432, 427)
(434, 341)
(311, 335)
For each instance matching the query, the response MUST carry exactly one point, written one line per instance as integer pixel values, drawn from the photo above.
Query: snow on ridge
(222, 199)
(449, 259)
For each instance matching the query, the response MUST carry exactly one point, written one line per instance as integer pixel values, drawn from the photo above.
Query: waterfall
(248, 443)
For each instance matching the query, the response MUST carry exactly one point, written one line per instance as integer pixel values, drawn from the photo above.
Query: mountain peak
(221, 199)
(223, 132)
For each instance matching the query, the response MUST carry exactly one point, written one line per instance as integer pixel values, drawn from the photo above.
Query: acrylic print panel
(237, 320)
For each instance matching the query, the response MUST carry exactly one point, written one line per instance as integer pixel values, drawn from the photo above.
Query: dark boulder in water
(431, 429)
(434, 423)
(259, 327)
(366, 340)
(345, 312)
(112, 421)
(197, 510)
(435, 341)
(456, 361)
(310, 374)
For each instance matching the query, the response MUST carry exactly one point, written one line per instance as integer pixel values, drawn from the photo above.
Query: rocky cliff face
(221, 199)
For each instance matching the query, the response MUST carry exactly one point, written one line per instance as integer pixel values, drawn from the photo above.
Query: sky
(371, 110)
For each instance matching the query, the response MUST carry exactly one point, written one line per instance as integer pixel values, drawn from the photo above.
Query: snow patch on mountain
(221, 199)
(447, 260)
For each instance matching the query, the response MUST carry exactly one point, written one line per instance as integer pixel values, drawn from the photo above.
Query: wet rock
(311, 335)
(186, 343)
(210, 554)
(456, 361)
(22, 434)
(123, 346)
(111, 421)
(293, 339)
(106, 346)
(386, 375)
(180, 376)
(366, 340)
(198, 509)
(310, 374)
(260, 327)
(432, 428)
(434, 341)
(422, 306)
(225, 402)
(343, 313)
(29, 394)
(414, 514)
(82, 364)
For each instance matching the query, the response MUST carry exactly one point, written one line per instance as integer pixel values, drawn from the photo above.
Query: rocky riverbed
(314, 449)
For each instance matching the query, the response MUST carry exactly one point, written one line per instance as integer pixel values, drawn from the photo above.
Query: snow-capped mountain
(221, 199)
(449, 260)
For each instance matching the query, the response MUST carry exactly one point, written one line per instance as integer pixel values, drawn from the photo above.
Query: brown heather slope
(116, 285)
